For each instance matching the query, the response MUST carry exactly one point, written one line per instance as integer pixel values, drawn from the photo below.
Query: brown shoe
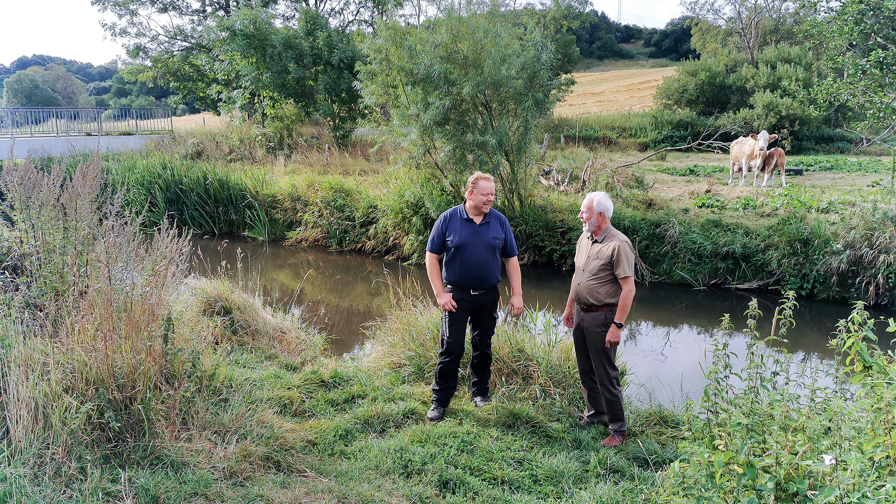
(614, 440)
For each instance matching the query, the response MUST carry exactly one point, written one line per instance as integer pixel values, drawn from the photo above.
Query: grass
(121, 380)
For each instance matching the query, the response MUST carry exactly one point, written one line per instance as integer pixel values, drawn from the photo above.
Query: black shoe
(435, 413)
(588, 422)
(481, 401)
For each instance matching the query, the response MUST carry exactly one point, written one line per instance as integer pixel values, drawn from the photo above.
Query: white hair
(601, 202)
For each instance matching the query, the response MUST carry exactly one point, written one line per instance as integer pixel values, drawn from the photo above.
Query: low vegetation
(122, 380)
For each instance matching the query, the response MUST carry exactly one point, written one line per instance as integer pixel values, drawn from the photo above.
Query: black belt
(594, 308)
(454, 288)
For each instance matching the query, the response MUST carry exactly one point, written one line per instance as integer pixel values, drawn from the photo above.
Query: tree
(71, 91)
(754, 24)
(466, 93)
(674, 41)
(25, 89)
(260, 67)
(856, 40)
(773, 94)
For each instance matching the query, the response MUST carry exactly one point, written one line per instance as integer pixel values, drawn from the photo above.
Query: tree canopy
(856, 41)
(52, 86)
(466, 93)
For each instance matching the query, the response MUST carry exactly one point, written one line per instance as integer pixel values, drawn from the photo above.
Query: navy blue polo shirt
(473, 252)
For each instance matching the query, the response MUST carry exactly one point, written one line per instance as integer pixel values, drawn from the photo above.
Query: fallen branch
(712, 144)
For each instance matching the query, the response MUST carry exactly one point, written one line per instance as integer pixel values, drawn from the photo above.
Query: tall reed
(87, 319)
(199, 195)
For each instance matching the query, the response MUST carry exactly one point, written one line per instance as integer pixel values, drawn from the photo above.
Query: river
(666, 344)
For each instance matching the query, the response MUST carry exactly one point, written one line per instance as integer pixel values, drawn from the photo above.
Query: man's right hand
(568, 317)
(446, 301)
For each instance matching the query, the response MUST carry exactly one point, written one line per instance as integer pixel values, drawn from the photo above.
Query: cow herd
(752, 154)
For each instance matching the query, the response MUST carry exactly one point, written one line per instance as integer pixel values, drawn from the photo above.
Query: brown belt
(594, 308)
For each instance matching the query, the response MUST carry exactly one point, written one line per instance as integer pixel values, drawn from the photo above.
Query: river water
(666, 344)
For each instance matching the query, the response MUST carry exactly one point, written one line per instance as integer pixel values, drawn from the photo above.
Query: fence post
(56, 121)
(99, 121)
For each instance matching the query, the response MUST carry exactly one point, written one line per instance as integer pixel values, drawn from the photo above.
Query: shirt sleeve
(436, 243)
(624, 263)
(508, 249)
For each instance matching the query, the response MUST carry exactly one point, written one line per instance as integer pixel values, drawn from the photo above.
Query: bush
(764, 433)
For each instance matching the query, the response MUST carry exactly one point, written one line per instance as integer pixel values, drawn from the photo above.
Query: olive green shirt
(600, 263)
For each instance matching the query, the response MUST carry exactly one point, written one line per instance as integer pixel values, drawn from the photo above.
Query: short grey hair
(601, 202)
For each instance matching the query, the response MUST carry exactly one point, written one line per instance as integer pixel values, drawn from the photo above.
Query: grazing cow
(774, 160)
(748, 153)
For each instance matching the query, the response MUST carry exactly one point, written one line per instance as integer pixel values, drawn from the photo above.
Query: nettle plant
(780, 430)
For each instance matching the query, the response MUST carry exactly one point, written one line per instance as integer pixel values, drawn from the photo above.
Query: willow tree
(466, 92)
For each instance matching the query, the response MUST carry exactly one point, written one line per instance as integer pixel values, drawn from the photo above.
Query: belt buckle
(475, 291)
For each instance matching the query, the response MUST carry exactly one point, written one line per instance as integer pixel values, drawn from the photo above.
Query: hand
(569, 317)
(516, 305)
(446, 302)
(614, 336)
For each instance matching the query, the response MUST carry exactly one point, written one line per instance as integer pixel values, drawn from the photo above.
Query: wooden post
(327, 154)
(544, 147)
(562, 140)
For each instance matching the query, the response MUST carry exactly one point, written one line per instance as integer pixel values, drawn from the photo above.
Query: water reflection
(668, 336)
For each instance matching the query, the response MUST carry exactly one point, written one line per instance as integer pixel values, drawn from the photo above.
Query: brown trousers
(597, 370)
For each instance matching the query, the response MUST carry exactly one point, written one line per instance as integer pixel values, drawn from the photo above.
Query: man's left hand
(614, 336)
(516, 305)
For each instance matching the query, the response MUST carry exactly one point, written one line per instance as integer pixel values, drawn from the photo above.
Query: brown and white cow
(748, 153)
(774, 160)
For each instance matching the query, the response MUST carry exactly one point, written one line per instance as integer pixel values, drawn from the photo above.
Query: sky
(70, 28)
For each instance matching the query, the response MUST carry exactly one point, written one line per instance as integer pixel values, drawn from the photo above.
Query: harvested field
(202, 120)
(613, 91)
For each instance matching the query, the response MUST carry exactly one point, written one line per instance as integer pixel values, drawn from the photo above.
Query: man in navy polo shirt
(474, 239)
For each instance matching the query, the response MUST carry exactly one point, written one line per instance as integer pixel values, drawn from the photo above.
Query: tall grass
(202, 196)
(533, 360)
(87, 314)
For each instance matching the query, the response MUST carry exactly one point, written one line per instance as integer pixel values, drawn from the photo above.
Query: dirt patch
(614, 91)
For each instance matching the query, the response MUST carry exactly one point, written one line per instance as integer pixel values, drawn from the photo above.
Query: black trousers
(480, 311)
(597, 369)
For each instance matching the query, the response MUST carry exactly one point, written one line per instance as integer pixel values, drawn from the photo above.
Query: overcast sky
(70, 28)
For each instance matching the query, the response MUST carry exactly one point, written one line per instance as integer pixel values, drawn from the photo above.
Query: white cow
(748, 153)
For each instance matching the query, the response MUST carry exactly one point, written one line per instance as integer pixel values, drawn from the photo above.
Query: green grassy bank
(814, 238)
(121, 380)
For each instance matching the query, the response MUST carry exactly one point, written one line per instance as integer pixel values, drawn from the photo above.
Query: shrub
(764, 433)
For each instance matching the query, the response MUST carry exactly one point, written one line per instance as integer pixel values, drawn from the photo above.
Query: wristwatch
(618, 324)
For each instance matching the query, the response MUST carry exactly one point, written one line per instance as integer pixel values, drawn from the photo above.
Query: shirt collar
(465, 215)
(602, 236)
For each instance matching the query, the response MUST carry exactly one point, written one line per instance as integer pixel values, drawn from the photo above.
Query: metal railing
(56, 122)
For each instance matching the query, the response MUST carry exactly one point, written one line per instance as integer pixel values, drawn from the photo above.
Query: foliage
(769, 94)
(693, 171)
(86, 362)
(199, 196)
(673, 42)
(831, 164)
(25, 89)
(857, 43)
(598, 36)
(746, 27)
(261, 68)
(466, 93)
(764, 433)
(71, 91)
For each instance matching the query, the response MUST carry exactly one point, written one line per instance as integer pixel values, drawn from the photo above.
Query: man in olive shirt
(600, 297)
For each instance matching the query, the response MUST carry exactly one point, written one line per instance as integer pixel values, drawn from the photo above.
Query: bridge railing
(63, 121)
